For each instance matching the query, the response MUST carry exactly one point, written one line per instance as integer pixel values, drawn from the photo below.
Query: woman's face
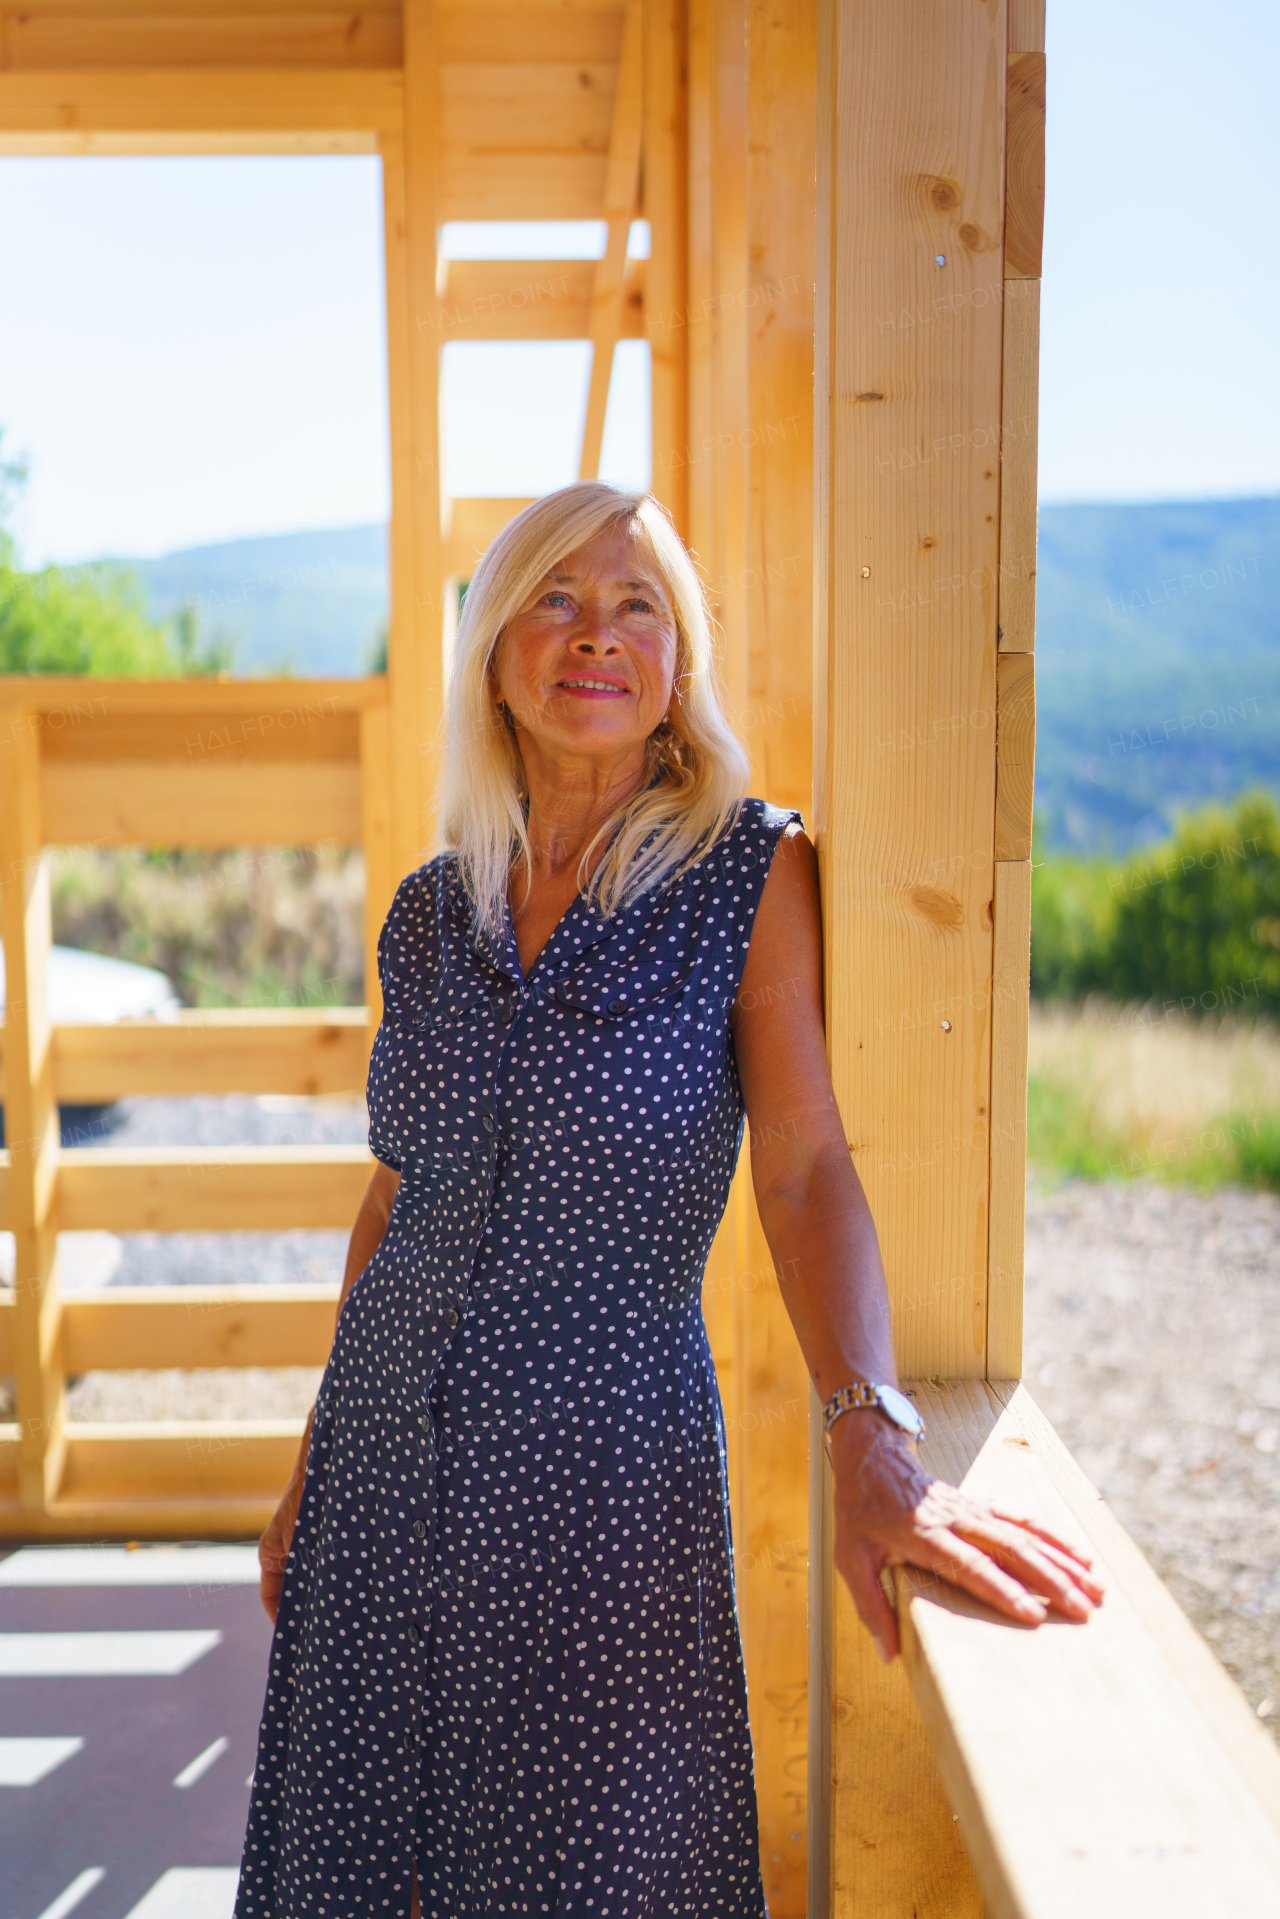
(588, 665)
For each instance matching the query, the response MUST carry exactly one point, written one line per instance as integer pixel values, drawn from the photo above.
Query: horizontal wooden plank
(214, 803)
(288, 1051)
(66, 700)
(356, 36)
(1087, 1776)
(81, 104)
(469, 527)
(190, 1326)
(505, 34)
(208, 1189)
(188, 1459)
(529, 300)
(524, 142)
(299, 731)
(1015, 754)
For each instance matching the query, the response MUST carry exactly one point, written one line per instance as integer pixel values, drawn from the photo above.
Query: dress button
(452, 1317)
(419, 1529)
(488, 1123)
(506, 1011)
(617, 1006)
(413, 1635)
(425, 1423)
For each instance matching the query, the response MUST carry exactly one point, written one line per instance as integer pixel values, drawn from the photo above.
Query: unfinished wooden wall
(925, 417)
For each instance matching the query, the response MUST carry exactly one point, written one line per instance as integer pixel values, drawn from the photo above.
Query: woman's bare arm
(366, 1237)
(824, 1246)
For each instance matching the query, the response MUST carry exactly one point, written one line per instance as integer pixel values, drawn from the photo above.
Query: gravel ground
(1153, 1344)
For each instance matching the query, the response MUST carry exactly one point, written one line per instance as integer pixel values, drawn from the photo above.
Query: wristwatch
(886, 1399)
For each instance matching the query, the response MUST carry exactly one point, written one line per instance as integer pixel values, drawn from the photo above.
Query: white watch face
(900, 1409)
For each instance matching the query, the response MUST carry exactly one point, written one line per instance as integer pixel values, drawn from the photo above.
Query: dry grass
(1120, 1091)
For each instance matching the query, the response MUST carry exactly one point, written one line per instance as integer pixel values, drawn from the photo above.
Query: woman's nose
(594, 634)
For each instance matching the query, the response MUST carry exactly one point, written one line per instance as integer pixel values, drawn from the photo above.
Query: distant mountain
(1158, 646)
(1158, 663)
(306, 602)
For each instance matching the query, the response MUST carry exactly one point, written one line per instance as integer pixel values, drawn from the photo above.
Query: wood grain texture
(621, 197)
(470, 526)
(56, 704)
(1084, 1772)
(1224, 1707)
(415, 653)
(215, 803)
(778, 271)
(1010, 998)
(188, 1459)
(1024, 167)
(908, 405)
(528, 35)
(524, 142)
(1015, 754)
(300, 1052)
(532, 300)
(211, 1189)
(1026, 26)
(665, 191)
(30, 1117)
(293, 109)
(908, 613)
(182, 38)
(1018, 465)
(378, 843)
(188, 1326)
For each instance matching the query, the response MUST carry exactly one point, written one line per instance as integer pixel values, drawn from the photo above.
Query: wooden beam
(469, 527)
(1093, 1768)
(171, 1459)
(1015, 756)
(665, 169)
(290, 1051)
(1024, 167)
(621, 195)
(909, 344)
(194, 1326)
(57, 703)
(415, 653)
(206, 110)
(531, 300)
(30, 1118)
(154, 35)
(523, 142)
(1020, 382)
(529, 34)
(217, 804)
(1010, 993)
(210, 1189)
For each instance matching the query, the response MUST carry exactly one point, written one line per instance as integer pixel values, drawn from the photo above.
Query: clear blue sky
(191, 350)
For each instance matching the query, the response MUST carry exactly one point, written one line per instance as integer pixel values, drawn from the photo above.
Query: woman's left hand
(890, 1512)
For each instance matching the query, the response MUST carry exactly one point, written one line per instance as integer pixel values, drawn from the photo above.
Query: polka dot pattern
(507, 1644)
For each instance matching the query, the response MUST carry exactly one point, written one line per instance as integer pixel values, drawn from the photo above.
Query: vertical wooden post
(664, 204)
(30, 1115)
(375, 832)
(908, 403)
(1015, 734)
(415, 665)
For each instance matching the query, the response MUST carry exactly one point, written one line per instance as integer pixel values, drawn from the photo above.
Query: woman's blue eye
(563, 597)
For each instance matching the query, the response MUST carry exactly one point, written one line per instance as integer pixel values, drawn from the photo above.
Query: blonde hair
(699, 770)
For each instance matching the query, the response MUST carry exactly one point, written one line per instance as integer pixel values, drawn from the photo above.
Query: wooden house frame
(841, 301)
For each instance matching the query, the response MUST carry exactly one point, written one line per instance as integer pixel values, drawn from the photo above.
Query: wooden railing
(168, 764)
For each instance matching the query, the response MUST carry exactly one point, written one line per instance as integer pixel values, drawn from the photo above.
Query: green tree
(88, 619)
(1198, 920)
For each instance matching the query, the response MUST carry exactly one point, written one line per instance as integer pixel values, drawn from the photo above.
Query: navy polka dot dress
(507, 1645)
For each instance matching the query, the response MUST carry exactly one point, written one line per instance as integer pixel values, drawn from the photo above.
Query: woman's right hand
(273, 1548)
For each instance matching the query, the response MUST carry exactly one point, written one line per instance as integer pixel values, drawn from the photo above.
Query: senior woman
(506, 1675)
